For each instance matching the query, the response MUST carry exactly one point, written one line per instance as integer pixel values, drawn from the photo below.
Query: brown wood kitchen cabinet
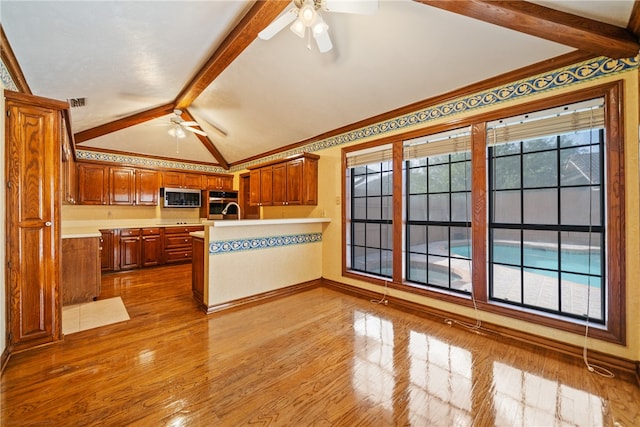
(116, 185)
(32, 206)
(177, 243)
(197, 270)
(219, 182)
(152, 246)
(93, 184)
(129, 249)
(132, 248)
(147, 187)
(107, 250)
(80, 269)
(261, 186)
(293, 181)
(122, 186)
(69, 171)
(182, 180)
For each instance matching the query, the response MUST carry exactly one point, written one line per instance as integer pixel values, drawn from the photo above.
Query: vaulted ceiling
(137, 61)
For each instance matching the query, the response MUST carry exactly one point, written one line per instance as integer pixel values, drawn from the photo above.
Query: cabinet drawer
(177, 241)
(151, 231)
(127, 232)
(178, 255)
(183, 230)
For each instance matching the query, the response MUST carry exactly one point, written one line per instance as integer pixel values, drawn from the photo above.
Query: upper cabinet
(99, 184)
(69, 175)
(93, 184)
(293, 181)
(122, 186)
(261, 186)
(109, 185)
(147, 186)
(219, 182)
(182, 180)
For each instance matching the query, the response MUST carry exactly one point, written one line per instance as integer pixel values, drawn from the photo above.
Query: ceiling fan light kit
(305, 18)
(179, 125)
(177, 132)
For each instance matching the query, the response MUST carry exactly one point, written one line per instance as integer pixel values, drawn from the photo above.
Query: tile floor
(89, 315)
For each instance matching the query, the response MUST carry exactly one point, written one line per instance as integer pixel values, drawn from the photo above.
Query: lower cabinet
(177, 243)
(152, 246)
(197, 270)
(129, 248)
(107, 250)
(80, 270)
(132, 248)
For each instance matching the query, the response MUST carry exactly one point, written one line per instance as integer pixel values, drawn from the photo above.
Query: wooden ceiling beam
(123, 123)
(208, 144)
(585, 34)
(634, 20)
(255, 20)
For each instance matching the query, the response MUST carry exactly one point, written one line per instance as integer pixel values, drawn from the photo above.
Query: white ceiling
(126, 57)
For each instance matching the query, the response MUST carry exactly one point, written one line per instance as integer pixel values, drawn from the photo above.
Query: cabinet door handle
(48, 224)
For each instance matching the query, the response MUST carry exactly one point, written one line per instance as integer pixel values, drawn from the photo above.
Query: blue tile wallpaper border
(563, 77)
(147, 162)
(6, 78)
(219, 247)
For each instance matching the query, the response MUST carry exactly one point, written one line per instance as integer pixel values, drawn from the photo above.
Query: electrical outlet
(338, 200)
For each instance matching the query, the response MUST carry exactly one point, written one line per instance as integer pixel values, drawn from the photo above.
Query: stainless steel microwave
(180, 198)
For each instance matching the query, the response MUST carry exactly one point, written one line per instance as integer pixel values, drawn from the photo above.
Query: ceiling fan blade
(361, 7)
(279, 23)
(198, 131)
(191, 123)
(323, 41)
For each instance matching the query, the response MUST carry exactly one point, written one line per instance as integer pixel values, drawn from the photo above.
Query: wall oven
(218, 200)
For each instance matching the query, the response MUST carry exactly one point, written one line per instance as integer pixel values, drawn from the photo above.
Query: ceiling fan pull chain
(308, 38)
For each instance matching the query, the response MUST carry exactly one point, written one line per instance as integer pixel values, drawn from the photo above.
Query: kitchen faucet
(224, 211)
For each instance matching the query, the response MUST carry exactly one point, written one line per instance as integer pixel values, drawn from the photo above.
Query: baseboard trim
(260, 298)
(629, 368)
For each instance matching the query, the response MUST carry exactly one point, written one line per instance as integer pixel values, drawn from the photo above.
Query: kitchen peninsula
(249, 260)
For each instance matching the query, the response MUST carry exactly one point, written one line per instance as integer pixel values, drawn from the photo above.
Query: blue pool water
(545, 259)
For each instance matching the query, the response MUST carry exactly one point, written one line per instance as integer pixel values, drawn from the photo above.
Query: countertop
(251, 222)
(80, 232)
(80, 229)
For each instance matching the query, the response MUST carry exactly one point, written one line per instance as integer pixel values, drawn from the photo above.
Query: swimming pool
(544, 259)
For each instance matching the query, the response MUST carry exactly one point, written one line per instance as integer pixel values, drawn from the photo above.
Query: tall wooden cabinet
(293, 181)
(33, 155)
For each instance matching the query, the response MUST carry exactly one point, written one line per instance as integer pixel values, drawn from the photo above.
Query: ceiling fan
(305, 19)
(179, 125)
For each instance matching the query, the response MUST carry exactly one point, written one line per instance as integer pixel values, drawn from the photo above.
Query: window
(537, 193)
(370, 211)
(546, 230)
(438, 210)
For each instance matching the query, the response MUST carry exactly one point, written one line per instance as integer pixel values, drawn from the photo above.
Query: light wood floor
(318, 358)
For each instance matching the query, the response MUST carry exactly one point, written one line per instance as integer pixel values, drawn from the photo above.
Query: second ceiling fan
(305, 18)
(179, 125)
